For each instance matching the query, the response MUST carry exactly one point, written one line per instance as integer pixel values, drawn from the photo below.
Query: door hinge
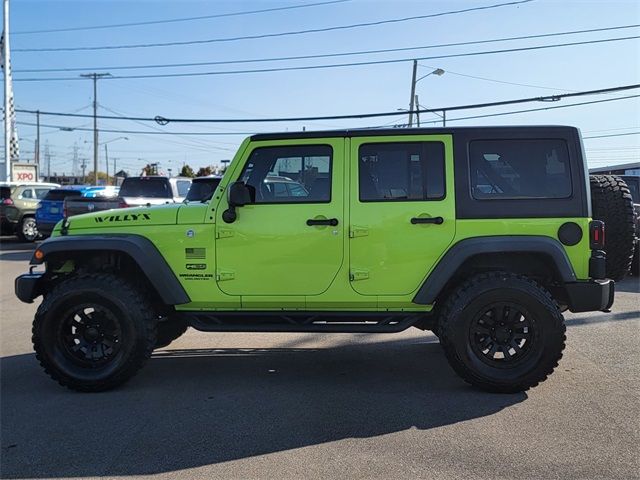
(222, 276)
(224, 233)
(356, 231)
(356, 275)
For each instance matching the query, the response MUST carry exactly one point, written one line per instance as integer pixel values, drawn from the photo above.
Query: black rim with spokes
(502, 334)
(90, 335)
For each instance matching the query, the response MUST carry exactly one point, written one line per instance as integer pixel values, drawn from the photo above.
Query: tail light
(123, 204)
(7, 201)
(596, 235)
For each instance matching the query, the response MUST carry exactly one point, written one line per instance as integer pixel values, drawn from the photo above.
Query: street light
(106, 156)
(438, 71)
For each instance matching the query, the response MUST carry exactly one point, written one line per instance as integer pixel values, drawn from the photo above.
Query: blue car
(50, 210)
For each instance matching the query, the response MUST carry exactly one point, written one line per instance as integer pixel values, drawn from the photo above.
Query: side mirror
(238, 195)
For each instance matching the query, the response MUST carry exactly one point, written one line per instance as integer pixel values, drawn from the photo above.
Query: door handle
(434, 220)
(312, 222)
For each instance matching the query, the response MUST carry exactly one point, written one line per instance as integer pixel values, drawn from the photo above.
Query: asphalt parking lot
(317, 406)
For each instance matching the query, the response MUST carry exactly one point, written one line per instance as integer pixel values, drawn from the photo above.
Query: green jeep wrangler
(482, 235)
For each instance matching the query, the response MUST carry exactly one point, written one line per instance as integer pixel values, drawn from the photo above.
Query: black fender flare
(139, 248)
(465, 249)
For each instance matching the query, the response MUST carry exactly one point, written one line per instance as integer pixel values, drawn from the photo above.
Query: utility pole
(106, 156)
(37, 155)
(413, 92)
(47, 159)
(114, 170)
(95, 76)
(417, 111)
(444, 118)
(83, 166)
(74, 163)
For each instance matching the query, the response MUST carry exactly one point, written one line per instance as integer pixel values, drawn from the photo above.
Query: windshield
(202, 190)
(152, 187)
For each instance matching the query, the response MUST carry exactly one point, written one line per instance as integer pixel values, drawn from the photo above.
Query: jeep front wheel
(93, 332)
(502, 332)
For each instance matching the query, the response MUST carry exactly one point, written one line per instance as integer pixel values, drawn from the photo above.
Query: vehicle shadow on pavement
(12, 243)
(190, 408)
(22, 256)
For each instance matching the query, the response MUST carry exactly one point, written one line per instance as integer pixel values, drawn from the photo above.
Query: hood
(125, 217)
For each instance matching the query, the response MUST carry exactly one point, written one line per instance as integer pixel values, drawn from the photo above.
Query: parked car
(92, 203)
(18, 208)
(152, 190)
(51, 208)
(482, 235)
(202, 188)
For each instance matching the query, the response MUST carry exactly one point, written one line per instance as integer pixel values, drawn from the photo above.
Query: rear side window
(513, 169)
(27, 193)
(401, 171)
(152, 187)
(183, 187)
(58, 195)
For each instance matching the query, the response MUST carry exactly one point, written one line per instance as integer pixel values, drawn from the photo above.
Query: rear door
(402, 210)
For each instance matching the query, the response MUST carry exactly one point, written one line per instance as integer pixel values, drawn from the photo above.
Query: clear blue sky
(317, 92)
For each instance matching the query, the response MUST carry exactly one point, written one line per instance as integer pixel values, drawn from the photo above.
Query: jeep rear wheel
(93, 332)
(611, 202)
(502, 332)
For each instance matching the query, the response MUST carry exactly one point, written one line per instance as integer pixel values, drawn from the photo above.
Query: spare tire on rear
(611, 202)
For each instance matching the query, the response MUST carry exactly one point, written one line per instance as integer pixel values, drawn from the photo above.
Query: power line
(535, 110)
(272, 35)
(612, 135)
(500, 81)
(551, 98)
(329, 55)
(176, 20)
(138, 132)
(335, 65)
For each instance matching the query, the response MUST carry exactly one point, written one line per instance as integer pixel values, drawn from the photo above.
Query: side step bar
(348, 322)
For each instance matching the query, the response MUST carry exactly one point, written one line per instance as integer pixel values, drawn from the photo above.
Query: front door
(402, 210)
(289, 242)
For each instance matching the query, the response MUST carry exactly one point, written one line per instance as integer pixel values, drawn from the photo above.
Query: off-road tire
(467, 302)
(611, 202)
(27, 225)
(136, 340)
(170, 330)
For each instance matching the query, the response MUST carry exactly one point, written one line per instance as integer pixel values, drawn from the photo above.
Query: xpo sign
(24, 172)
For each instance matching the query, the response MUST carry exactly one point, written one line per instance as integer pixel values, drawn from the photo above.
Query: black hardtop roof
(373, 132)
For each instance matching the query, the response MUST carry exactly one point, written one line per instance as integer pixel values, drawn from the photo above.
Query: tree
(102, 179)
(187, 171)
(204, 171)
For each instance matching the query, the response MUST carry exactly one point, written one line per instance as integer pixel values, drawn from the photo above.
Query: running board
(354, 322)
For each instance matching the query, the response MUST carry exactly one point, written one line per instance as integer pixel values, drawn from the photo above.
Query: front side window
(512, 169)
(41, 193)
(401, 171)
(296, 174)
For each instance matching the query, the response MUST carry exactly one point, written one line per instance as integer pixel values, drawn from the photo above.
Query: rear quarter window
(58, 195)
(519, 169)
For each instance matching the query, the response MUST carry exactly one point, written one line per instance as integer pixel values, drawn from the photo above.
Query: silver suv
(18, 208)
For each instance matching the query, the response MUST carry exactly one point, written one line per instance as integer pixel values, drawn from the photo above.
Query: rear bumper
(590, 296)
(45, 228)
(27, 286)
